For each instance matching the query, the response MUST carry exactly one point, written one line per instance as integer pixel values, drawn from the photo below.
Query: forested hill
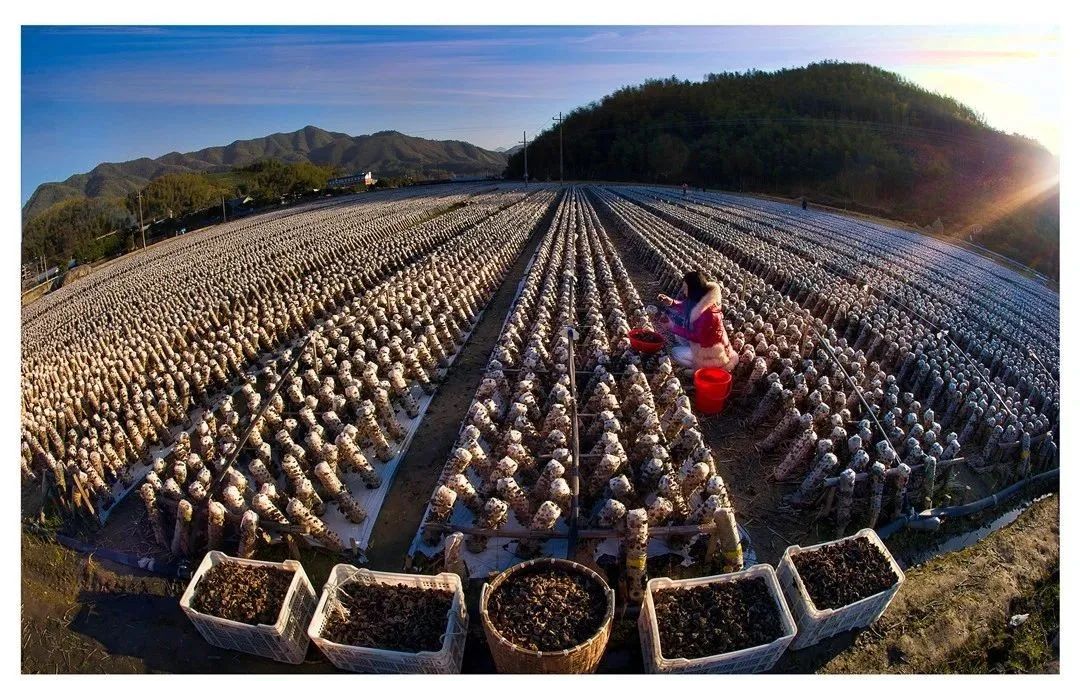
(387, 153)
(849, 135)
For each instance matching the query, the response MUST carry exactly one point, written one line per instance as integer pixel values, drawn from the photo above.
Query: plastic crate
(816, 625)
(748, 661)
(373, 660)
(285, 641)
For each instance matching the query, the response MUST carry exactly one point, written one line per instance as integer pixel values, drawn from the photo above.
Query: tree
(667, 156)
(71, 227)
(271, 179)
(178, 194)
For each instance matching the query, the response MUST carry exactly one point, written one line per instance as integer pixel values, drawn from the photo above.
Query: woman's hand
(665, 300)
(663, 323)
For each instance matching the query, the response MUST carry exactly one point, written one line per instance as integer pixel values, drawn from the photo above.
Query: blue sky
(112, 94)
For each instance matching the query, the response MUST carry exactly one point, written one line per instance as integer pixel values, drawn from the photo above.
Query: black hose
(966, 509)
(165, 568)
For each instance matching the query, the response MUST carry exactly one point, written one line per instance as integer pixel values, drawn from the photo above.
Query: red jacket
(704, 329)
(707, 330)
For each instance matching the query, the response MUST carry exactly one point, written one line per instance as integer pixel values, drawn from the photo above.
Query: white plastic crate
(285, 641)
(447, 660)
(816, 625)
(749, 661)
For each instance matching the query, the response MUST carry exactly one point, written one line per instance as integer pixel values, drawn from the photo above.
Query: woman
(697, 319)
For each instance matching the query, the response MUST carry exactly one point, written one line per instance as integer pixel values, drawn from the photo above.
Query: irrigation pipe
(1040, 363)
(932, 518)
(167, 568)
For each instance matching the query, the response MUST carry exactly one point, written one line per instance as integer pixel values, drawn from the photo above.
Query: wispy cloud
(111, 31)
(113, 92)
(343, 73)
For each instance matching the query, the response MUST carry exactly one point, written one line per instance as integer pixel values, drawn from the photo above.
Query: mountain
(848, 135)
(387, 153)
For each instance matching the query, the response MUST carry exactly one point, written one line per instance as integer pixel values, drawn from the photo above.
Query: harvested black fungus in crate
(250, 594)
(841, 574)
(389, 617)
(716, 618)
(548, 608)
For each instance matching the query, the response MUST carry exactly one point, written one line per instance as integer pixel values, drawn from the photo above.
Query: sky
(91, 95)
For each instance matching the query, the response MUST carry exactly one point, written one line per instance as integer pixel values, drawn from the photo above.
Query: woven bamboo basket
(512, 659)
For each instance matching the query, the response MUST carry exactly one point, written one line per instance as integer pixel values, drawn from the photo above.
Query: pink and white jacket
(705, 331)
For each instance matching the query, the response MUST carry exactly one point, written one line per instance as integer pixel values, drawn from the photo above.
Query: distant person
(697, 319)
(804, 203)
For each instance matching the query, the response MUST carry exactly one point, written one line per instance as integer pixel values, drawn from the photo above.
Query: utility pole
(142, 230)
(223, 218)
(525, 147)
(560, 120)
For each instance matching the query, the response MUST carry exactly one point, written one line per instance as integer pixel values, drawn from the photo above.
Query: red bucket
(644, 341)
(711, 389)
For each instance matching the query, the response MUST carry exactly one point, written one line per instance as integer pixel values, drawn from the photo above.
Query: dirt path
(951, 611)
(403, 510)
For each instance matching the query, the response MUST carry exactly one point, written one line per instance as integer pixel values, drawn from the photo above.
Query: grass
(1031, 647)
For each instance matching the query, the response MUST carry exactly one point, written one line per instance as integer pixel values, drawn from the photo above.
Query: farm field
(388, 381)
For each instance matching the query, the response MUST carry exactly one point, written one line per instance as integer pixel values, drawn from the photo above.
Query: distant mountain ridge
(384, 153)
